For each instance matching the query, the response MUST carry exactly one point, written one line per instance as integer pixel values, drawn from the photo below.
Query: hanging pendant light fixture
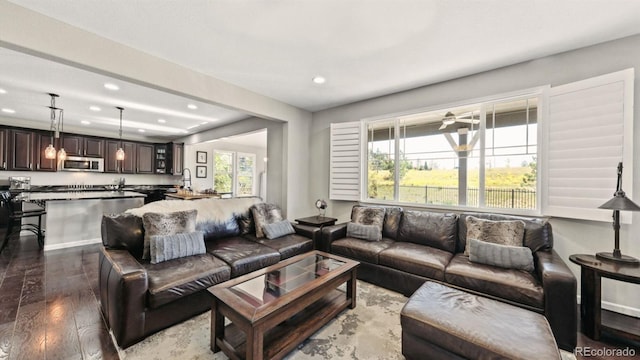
(61, 153)
(50, 151)
(120, 151)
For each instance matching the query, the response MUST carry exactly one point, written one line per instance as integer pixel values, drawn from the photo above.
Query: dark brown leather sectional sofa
(139, 298)
(422, 245)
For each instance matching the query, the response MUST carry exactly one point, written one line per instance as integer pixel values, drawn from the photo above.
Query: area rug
(368, 332)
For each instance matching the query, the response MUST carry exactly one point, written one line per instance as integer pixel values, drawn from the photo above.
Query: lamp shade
(620, 202)
(50, 152)
(120, 154)
(62, 154)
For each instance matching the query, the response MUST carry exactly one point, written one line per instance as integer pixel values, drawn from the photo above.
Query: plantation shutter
(589, 131)
(344, 181)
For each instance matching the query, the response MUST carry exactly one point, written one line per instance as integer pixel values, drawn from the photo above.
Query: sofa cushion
(287, 246)
(359, 249)
(264, 214)
(538, 234)
(168, 247)
(364, 232)
(416, 259)
(392, 217)
(242, 255)
(368, 215)
(508, 257)
(278, 229)
(438, 230)
(515, 285)
(123, 232)
(173, 279)
(167, 224)
(503, 232)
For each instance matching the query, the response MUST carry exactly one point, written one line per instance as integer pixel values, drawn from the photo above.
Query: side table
(317, 221)
(592, 269)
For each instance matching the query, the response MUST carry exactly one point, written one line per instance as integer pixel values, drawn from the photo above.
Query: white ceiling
(364, 48)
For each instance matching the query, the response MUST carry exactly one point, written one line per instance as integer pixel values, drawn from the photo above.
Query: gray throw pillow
(278, 229)
(509, 257)
(364, 232)
(264, 214)
(167, 247)
(505, 232)
(367, 215)
(167, 224)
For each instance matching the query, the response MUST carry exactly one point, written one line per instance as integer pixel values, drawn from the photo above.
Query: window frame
(540, 92)
(235, 170)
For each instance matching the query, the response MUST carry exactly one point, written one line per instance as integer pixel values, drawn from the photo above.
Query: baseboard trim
(622, 309)
(70, 244)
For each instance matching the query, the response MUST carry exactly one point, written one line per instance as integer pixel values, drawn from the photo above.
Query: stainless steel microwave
(77, 163)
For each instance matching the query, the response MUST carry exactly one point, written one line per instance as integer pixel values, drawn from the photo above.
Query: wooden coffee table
(274, 309)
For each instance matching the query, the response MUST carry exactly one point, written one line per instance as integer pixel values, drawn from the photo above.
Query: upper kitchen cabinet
(20, 150)
(162, 158)
(3, 149)
(41, 141)
(77, 145)
(145, 158)
(126, 166)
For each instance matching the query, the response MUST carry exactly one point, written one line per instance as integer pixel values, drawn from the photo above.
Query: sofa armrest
(123, 292)
(307, 231)
(330, 234)
(560, 303)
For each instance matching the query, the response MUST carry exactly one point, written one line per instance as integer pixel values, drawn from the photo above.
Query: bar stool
(15, 213)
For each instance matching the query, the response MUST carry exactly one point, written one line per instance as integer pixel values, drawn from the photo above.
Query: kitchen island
(74, 218)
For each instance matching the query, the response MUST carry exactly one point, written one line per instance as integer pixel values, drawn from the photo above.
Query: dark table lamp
(619, 202)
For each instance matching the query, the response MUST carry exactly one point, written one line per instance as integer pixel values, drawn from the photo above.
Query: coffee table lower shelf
(286, 336)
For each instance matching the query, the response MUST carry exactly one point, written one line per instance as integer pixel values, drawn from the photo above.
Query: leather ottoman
(439, 322)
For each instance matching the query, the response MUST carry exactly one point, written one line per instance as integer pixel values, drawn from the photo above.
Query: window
(234, 173)
(479, 155)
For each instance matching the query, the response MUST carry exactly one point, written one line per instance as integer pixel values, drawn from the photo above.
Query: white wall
(571, 236)
(200, 184)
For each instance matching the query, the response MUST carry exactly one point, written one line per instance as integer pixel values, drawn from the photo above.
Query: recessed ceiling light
(319, 79)
(3, 91)
(192, 106)
(94, 108)
(8, 111)
(204, 123)
(162, 121)
(193, 126)
(141, 130)
(111, 86)
(85, 122)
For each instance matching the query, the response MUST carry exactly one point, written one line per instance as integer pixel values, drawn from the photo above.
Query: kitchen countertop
(77, 195)
(91, 188)
(192, 196)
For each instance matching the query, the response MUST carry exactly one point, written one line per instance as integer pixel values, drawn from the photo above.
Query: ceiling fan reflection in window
(449, 119)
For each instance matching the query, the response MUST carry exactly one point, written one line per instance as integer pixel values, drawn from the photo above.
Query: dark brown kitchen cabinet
(126, 166)
(20, 150)
(129, 163)
(41, 141)
(76, 145)
(178, 158)
(145, 158)
(3, 149)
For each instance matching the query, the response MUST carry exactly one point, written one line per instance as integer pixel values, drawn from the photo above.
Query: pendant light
(56, 129)
(50, 151)
(120, 152)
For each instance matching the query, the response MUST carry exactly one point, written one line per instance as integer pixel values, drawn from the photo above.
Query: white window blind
(588, 132)
(345, 165)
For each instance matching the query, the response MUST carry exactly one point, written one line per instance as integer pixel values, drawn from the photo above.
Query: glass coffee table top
(266, 288)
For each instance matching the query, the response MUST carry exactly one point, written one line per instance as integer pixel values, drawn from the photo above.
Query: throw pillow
(510, 257)
(245, 222)
(364, 232)
(366, 215)
(167, 224)
(167, 247)
(278, 229)
(264, 214)
(505, 232)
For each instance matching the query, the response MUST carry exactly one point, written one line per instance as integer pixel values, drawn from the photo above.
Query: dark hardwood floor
(49, 306)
